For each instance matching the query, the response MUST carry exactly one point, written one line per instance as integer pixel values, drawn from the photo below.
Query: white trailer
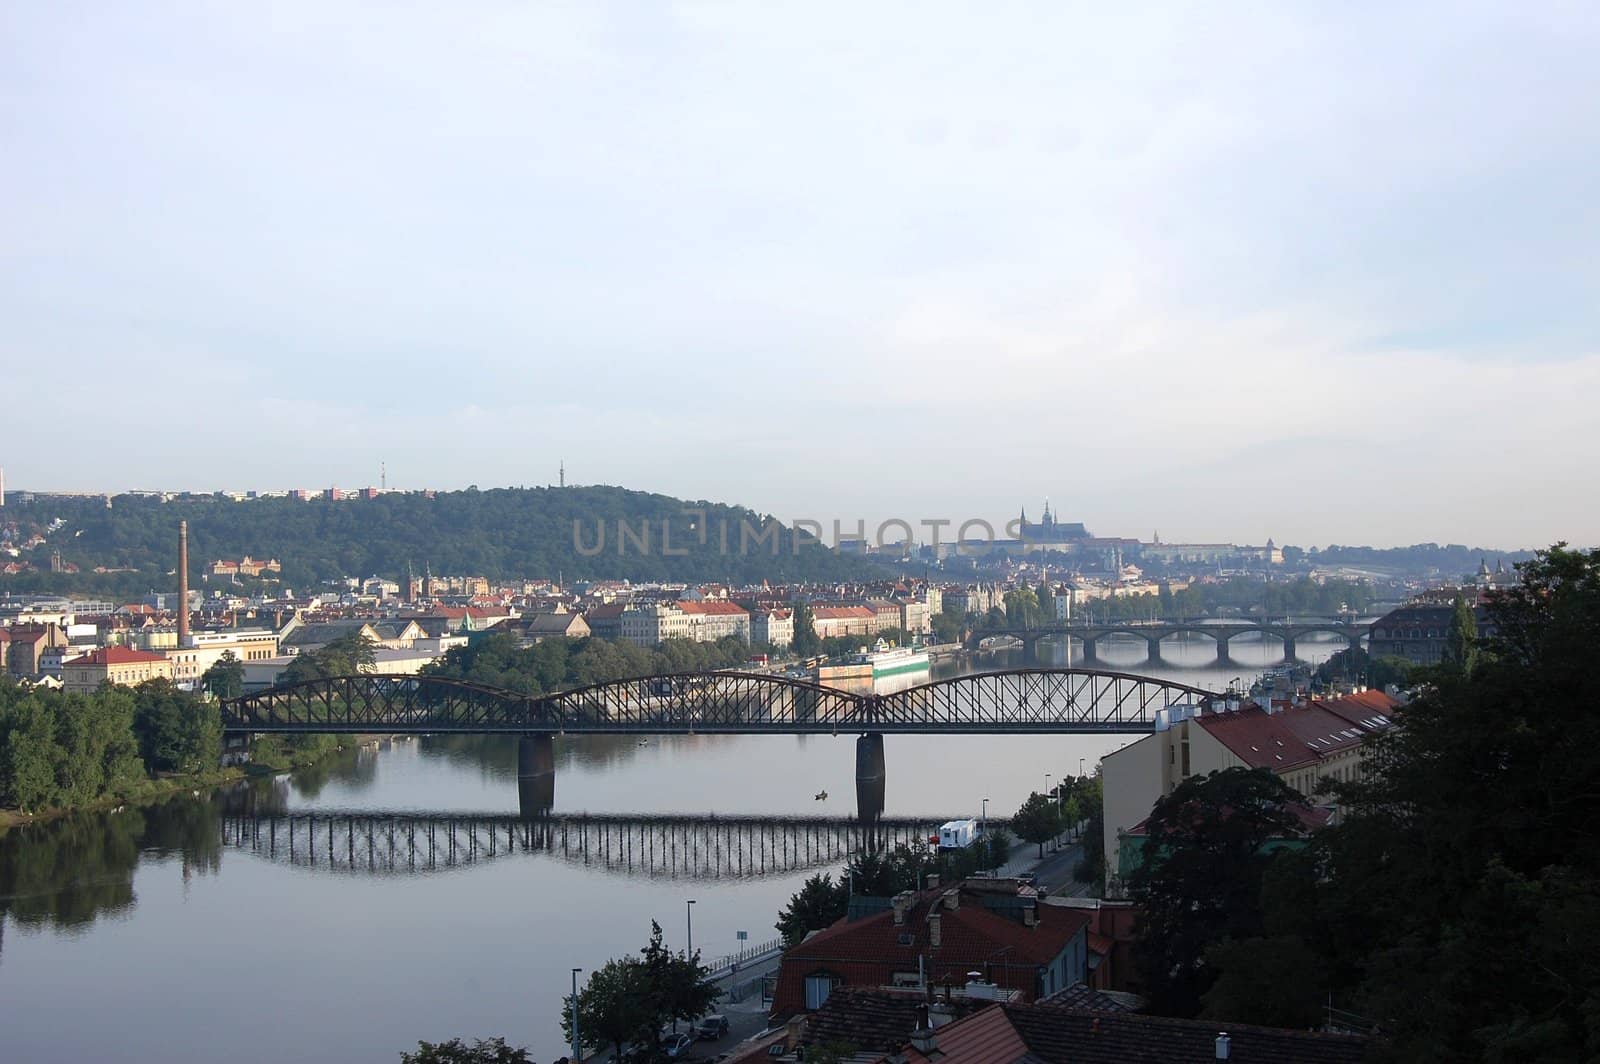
(957, 834)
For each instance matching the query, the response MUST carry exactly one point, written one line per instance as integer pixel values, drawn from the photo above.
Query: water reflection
(699, 847)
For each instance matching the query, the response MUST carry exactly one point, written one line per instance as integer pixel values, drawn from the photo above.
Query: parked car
(712, 1027)
(677, 1047)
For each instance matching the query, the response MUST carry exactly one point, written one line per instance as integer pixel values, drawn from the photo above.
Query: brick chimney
(934, 930)
(183, 583)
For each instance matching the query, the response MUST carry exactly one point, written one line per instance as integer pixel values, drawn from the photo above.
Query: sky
(1325, 273)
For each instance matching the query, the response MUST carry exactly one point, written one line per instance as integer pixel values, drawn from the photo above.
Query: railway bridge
(1011, 701)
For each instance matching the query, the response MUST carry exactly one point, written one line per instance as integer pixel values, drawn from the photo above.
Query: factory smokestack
(183, 583)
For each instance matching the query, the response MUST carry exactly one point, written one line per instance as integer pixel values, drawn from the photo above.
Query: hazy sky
(1329, 273)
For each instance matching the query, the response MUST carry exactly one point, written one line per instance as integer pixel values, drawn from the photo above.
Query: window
(818, 987)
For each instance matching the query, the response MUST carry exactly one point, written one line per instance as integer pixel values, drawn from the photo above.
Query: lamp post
(988, 851)
(577, 1042)
(688, 919)
(1047, 793)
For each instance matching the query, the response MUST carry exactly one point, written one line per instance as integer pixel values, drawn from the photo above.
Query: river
(152, 934)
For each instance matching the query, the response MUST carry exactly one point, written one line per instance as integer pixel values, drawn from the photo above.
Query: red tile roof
(115, 656)
(971, 938)
(1299, 735)
(1048, 1034)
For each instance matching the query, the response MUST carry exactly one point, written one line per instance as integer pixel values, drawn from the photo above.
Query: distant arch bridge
(1287, 632)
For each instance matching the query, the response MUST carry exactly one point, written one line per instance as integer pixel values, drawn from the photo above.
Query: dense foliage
(1457, 904)
(455, 1051)
(59, 750)
(499, 660)
(504, 533)
(631, 999)
(1199, 878)
(817, 904)
(1038, 820)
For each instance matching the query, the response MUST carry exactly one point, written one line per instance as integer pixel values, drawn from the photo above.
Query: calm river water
(149, 935)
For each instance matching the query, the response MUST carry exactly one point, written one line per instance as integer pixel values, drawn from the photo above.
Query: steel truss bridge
(670, 847)
(1030, 700)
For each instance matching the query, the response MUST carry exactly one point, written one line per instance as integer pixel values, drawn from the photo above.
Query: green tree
(995, 848)
(1199, 878)
(28, 755)
(225, 679)
(1461, 909)
(805, 643)
(1037, 821)
(1047, 602)
(176, 732)
(1022, 608)
(817, 904)
(676, 986)
(1461, 642)
(613, 1007)
(455, 1051)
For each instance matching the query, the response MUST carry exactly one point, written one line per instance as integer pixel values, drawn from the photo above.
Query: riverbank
(158, 788)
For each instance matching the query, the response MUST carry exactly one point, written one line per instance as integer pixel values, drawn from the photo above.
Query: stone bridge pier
(1222, 649)
(1152, 645)
(536, 774)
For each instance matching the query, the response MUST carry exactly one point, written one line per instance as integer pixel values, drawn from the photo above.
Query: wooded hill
(577, 533)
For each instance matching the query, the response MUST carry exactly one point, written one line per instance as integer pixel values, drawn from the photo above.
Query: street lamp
(577, 1042)
(688, 919)
(988, 851)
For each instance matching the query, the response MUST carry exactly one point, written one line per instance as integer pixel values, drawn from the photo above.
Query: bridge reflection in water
(653, 846)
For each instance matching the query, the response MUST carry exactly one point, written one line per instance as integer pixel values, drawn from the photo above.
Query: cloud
(1314, 274)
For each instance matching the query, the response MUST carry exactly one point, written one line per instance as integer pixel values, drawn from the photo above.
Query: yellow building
(123, 666)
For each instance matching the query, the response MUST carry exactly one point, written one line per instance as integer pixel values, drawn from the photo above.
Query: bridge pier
(1152, 648)
(536, 774)
(1288, 648)
(869, 757)
(1222, 650)
(870, 773)
(1089, 648)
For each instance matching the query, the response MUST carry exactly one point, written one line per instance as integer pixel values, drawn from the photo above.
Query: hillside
(502, 533)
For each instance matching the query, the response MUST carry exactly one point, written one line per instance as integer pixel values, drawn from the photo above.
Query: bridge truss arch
(1010, 700)
(1032, 701)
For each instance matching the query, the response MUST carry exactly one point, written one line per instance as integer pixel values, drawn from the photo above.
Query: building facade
(123, 666)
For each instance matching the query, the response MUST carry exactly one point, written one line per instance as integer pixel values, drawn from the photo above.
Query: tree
(1277, 981)
(805, 642)
(1047, 601)
(225, 679)
(1460, 908)
(1198, 880)
(818, 904)
(994, 848)
(676, 987)
(1022, 608)
(1037, 821)
(455, 1051)
(613, 1006)
(176, 732)
(1461, 642)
